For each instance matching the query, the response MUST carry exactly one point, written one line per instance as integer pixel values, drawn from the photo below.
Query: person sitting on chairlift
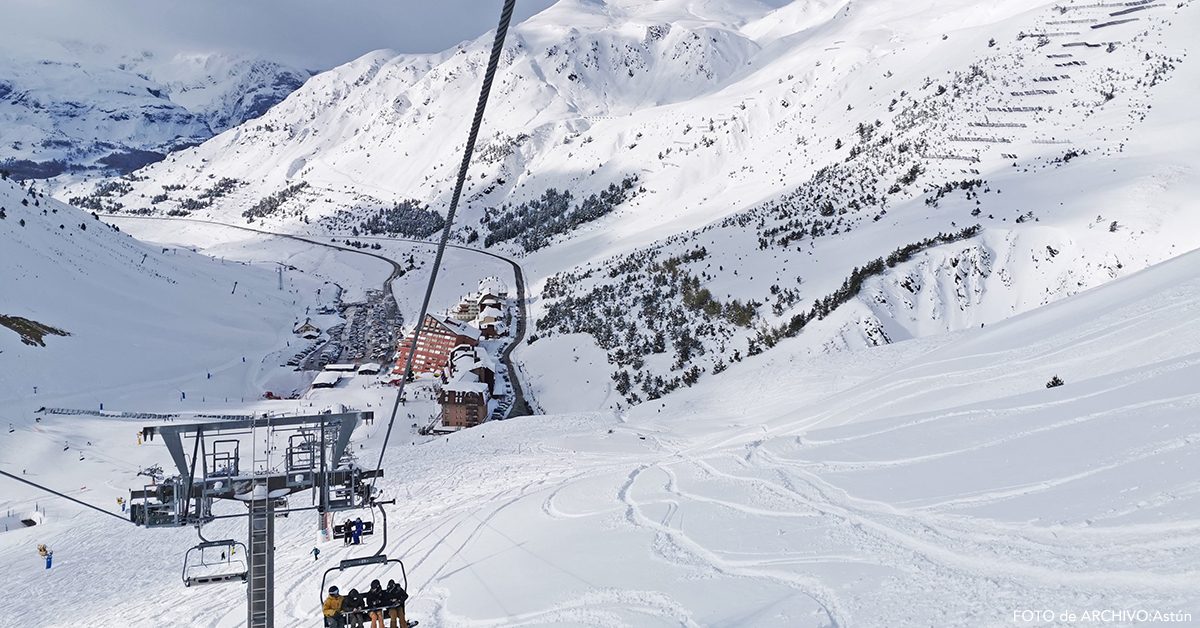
(358, 530)
(352, 604)
(377, 601)
(396, 597)
(332, 610)
(347, 529)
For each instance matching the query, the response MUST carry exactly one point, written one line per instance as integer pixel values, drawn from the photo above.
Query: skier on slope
(316, 551)
(332, 610)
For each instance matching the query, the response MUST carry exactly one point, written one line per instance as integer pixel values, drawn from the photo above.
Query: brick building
(439, 336)
(466, 398)
(464, 403)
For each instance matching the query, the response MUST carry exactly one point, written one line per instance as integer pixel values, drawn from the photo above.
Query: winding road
(520, 405)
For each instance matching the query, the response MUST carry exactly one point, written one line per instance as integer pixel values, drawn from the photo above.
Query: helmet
(333, 590)
(375, 584)
(391, 583)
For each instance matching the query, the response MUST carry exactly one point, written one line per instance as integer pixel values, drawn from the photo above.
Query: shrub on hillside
(407, 218)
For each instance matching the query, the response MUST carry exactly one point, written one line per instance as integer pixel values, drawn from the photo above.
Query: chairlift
(368, 568)
(345, 529)
(215, 561)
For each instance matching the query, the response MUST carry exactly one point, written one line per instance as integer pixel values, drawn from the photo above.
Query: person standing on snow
(316, 551)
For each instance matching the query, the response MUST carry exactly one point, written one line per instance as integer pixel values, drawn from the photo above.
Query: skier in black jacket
(352, 606)
(377, 601)
(396, 596)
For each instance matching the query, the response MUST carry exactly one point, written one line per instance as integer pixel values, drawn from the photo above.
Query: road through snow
(933, 482)
(520, 406)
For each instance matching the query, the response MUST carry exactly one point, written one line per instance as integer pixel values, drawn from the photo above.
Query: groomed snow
(935, 481)
(931, 481)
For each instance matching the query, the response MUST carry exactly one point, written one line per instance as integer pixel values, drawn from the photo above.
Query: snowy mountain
(936, 481)
(866, 313)
(754, 168)
(76, 106)
(223, 90)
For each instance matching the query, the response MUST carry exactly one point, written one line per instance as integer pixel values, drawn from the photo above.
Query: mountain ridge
(81, 109)
(864, 130)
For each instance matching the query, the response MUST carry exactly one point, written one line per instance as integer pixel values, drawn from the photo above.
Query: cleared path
(520, 405)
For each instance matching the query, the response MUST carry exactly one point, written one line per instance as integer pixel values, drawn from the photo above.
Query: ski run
(836, 314)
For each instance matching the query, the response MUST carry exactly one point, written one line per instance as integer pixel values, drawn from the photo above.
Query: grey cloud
(317, 34)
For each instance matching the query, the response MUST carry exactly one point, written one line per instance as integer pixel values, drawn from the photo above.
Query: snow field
(148, 324)
(827, 482)
(932, 481)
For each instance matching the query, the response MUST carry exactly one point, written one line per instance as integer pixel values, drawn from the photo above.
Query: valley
(807, 313)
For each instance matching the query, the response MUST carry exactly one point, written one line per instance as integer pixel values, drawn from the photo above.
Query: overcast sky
(316, 34)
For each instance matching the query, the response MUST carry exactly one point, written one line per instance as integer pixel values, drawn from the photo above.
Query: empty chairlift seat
(215, 561)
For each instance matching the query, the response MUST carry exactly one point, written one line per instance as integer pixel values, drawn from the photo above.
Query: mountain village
(455, 360)
(647, 313)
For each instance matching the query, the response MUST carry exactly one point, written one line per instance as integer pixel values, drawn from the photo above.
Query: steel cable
(64, 496)
(489, 75)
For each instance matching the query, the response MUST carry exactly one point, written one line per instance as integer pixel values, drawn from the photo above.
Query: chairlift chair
(205, 567)
(369, 565)
(379, 560)
(345, 529)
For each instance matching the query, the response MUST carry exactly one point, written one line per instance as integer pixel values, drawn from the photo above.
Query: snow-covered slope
(772, 150)
(223, 90)
(75, 106)
(935, 481)
(837, 252)
(144, 323)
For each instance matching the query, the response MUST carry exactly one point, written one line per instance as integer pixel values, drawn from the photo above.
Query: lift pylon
(233, 461)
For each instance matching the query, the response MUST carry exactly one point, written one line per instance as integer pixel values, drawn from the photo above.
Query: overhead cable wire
(64, 496)
(493, 62)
